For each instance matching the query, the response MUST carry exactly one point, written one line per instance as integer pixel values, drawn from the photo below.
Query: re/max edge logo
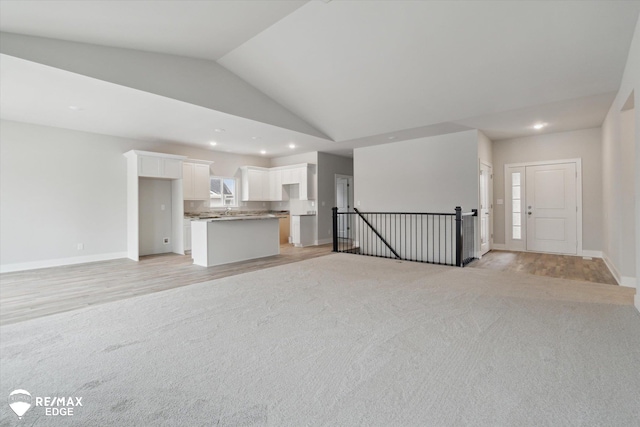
(20, 401)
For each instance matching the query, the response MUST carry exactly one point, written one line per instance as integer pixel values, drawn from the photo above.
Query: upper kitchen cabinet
(275, 188)
(255, 184)
(159, 165)
(265, 184)
(195, 179)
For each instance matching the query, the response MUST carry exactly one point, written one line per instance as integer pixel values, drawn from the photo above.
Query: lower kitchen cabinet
(302, 230)
(187, 234)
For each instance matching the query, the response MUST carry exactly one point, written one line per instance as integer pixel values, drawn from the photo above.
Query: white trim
(323, 241)
(499, 246)
(626, 281)
(592, 254)
(629, 282)
(491, 211)
(578, 163)
(7, 268)
(612, 268)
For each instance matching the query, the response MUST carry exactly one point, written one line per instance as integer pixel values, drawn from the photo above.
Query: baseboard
(499, 247)
(629, 282)
(324, 241)
(592, 254)
(8, 268)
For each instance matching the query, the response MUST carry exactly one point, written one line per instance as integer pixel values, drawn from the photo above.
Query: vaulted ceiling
(328, 75)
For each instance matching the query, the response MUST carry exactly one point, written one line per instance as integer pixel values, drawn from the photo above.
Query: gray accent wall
(329, 165)
(433, 174)
(584, 144)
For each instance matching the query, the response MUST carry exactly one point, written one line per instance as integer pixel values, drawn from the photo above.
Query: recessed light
(292, 146)
(392, 137)
(255, 137)
(539, 126)
(263, 152)
(218, 130)
(213, 143)
(74, 108)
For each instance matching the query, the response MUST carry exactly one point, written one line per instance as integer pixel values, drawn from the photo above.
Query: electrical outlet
(313, 204)
(165, 240)
(358, 202)
(80, 246)
(162, 207)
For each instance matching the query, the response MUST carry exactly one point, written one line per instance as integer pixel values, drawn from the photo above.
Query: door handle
(528, 213)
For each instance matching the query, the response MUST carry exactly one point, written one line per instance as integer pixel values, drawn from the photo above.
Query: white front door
(550, 210)
(486, 184)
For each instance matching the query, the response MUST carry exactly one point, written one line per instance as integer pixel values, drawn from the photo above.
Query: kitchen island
(216, 241)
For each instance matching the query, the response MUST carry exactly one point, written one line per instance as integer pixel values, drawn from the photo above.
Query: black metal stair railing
(436, 238)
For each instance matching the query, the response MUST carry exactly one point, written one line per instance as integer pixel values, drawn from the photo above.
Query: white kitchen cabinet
(302, 227)
(302, 174)
(195, 179)
(275, 190)
(187, 234)
(255, 184)
(265, 184)
(148, 164)
(156, 166)
(287, 176)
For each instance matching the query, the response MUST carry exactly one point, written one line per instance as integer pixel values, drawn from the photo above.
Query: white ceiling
(199, 29)
(362, 72)
(36, 93)
(358, 68)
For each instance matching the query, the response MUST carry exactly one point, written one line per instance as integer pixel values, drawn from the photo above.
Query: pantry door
(551, 208)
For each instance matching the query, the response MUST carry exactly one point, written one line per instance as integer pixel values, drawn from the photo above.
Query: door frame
(491, 212)
(507, 202)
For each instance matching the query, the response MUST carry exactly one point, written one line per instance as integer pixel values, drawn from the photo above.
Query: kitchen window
(223, 191)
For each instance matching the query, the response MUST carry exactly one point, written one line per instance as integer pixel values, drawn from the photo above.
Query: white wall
(621, 174)
(433, 174)
(59, 188)
(584, 144)
(485, 148)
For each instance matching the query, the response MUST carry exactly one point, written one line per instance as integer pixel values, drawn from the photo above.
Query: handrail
(415, 236)
(406, 213)
(377, 234)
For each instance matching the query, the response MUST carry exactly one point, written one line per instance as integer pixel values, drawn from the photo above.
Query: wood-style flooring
(559, 266)
(35, 293)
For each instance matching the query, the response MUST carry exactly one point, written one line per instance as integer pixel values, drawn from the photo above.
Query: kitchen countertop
(236, 218)
(235, 215)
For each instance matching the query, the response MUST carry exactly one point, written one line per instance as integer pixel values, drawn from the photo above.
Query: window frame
(235, 199)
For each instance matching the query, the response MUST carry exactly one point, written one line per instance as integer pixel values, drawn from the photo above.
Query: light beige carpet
(340, 340)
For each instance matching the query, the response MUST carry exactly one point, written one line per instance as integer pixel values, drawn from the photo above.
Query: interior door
(486, 185)
(551, 208)
(342, 203)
